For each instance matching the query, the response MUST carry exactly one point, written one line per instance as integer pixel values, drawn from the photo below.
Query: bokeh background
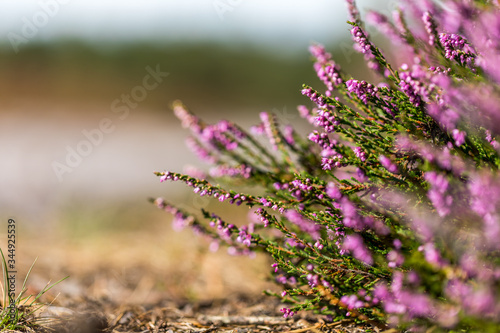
(63, 64)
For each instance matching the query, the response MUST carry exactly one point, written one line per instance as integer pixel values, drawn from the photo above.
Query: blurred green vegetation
(208, 77)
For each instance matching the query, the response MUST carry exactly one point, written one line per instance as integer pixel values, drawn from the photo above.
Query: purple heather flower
(226, 126)
(458, 15)
(491, 140)
(333, 191)
(481, 103)
(395, 258)
(482, 303)
(200, 151)
(430, 27)
(321, 139)
(352, 10)
(265, 203)
(305, 113)
(225, 170)
(485, 198)
(181, 221)
(397, 17)
(291, 242)
(418, 8)
(225, 232)
(477, 268)
(287, 312)
(315, 97)
(397, 244)
(457, 48)
(312, 280)
(160, 203)
(458, 136)
(214, 246)
(232, 251)
(351, 217)
(257, 129)
(361, 176)
(279, 186)
(437, 194)
(266, 119)
(352, 302)
(411, 86)
(418, 305)
(382, 23)
(442, 157)
(318, 51)
(326, 119)
(387, 164)
(413, 278)
(397, 283)
(365, 91)
(485, 35)
(364, 46)
(398, 300)
(356, 247)
(216, 135)
(281, 279)
(244, 238)
(303, 186)
(330, 76)
(194, 172)
(187, 119)
(314, 136)
(360, 153)
(166, 176)
(432, 255)
(457, 290)
(288, 135)
(331, 159)
(447, 117)
(325, 68)
(305, 224)
(381, 292)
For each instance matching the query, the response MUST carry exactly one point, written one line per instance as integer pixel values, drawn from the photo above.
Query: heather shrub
(388, 211)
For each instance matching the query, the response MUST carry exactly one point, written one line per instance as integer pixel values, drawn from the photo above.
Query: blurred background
(96, 79)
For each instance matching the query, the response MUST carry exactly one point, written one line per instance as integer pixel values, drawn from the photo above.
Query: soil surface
(234, 314)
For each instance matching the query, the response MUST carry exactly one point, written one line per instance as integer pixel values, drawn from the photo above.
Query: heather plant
(388, 211)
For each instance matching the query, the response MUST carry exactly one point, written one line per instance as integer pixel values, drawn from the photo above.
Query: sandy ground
(142, 267)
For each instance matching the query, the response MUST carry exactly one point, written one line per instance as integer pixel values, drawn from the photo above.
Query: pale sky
(261, 21)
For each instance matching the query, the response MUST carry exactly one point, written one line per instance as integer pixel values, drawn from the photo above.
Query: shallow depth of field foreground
(373, 206)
